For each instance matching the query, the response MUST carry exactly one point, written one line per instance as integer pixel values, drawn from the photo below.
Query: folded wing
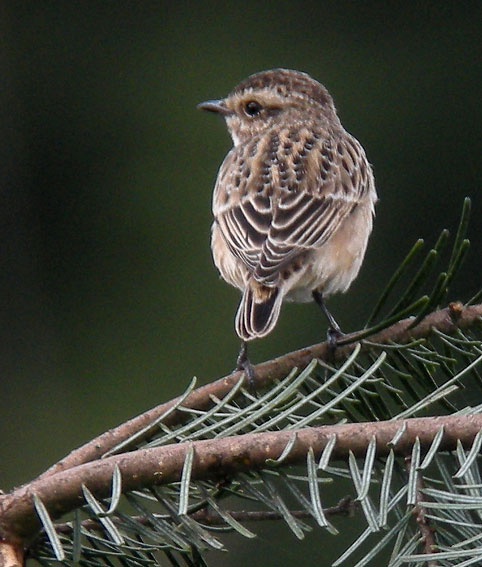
(303, 200)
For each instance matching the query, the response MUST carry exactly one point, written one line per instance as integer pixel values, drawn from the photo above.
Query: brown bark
(218, 458)
(11, 554)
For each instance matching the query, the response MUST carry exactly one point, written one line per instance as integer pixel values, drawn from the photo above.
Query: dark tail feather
(256, 318)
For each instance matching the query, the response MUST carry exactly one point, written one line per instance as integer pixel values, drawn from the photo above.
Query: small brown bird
(294, 199)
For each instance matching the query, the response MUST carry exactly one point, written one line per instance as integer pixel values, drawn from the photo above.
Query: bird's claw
(243, 364)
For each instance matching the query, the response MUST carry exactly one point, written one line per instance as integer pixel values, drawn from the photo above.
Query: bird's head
(277, 97)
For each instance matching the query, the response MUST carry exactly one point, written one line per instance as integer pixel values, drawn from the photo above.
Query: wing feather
(296, 204)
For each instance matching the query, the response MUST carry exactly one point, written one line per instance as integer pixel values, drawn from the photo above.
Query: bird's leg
(243, 363)
(334, 332)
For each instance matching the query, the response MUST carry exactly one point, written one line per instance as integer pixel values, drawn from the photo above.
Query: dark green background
(109, 299)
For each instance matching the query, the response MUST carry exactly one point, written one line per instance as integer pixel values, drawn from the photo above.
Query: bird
(293, 203)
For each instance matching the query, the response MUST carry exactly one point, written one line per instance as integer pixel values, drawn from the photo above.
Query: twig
(207, 516)
(448, 320)
(344, 507)
(419, 511)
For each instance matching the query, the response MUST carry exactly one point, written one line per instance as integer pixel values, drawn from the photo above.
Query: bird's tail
(258, 311)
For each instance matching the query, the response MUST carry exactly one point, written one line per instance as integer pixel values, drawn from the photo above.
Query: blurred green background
(109, 299)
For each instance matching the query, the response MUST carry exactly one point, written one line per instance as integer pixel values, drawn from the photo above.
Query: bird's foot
(333, 334)
(244, 364)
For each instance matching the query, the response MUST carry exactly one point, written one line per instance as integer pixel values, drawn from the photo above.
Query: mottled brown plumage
(294, 200)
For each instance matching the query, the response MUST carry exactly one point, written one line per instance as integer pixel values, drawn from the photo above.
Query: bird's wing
(244, 216)
(325, 184)
(269, 222)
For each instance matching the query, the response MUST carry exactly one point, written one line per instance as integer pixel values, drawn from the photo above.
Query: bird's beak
(218, 106)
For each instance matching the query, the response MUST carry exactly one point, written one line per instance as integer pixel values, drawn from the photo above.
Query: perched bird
(294, 199)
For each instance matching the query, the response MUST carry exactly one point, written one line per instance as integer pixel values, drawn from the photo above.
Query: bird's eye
(252, 108)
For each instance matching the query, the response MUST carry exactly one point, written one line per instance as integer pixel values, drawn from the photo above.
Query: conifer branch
(221, 458)
(448, 320)
(207, 516)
